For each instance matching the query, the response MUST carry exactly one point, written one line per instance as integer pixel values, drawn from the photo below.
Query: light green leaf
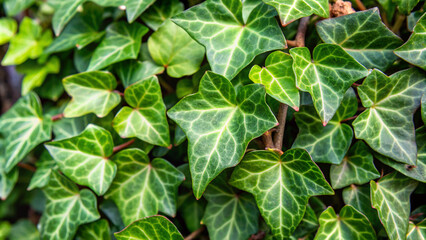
(146, 118)
(281, 186)
(349, 224)
(417, 231)
(4, 229)
(14, 7)
(357, 167)
(324, 77)
(7, 181)
(132, 71)
(414, 50)
(170, 46)
(327, 144)
(387, 123)
(70, 127)
(219, 123)
(24, 128)
(229, 215)
(91, 92)
(28, 43)
(364, 36)
(191, 210)
(295, 9)
(391, 197)
(122, 41)
(134, 8)
(84, 158)
(232, 42)
(155, 227)
(359, 198)
(278, 78)
(45, 165)
(24, 229)
(8, 27)
(159, 181)
(64, 12)
(162, 10)
(94, 230)
(66, 208)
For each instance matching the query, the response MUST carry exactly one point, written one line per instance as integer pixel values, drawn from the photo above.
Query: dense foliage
(216, 119)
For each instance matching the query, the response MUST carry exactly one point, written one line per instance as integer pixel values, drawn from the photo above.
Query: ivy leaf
(417, 231)
(13, 7)
(405, 6)
(327, 144)
(70, 127)
(24, 128)
(7, 181)
(122, 41)
(295, 9)
(294, 176)
(66, 208)
(232, 39)
(359, 198)
(324, 77)
(91, 92)
(170, 46)
(356, 168)
(94, 230)
(229, 215)
(423, 110)
(278, 78)
(350, 224)
(28, 43)
(146, 119)
(134, 8)
(64, 12)
(132, 71)
(387, 123)
(84, 158)
(155, 227)
(24, 229)
(160, 11)
(191, 210)
(158, 178)
(309, 224)
(351, 33)
(414, 51)
(391, 197)
(45, 165)
(8, 27)
(219, 124)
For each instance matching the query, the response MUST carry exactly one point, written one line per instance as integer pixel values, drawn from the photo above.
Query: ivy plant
(215, 119)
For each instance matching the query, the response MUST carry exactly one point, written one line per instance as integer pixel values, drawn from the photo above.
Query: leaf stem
(122, 146)
(291, 43)
(360, 5)
(27, 166)
(267, 139)
(301, 32)
(282, 115)
(57, 117)
(169, 89)
(348, 119)
(119, 93)
(398, 23)
(194, 234)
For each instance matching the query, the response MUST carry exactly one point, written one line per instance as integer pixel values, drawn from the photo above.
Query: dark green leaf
(359, 198)
(160, 11)
(132, 71)
(24, 230)
(94, 230)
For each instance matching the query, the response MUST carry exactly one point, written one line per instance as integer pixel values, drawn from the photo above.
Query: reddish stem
(27, 166)
(57, 117)
(122, 146)
(119, 93)
(348, 119)
(194, 234)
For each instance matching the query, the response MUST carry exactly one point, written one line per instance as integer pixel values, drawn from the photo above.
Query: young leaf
(8, 27)
(91, 92)
(359, 198)
(66, 208)
(278, 78)
(84, 158)
(45, 165)
(324, 77)
(134, 8)
(94, 230)
(391, 197)
(160, 11)
(350, 224)
(132, 71)
(281, 186)
(232, 37)
(416, 231)
(13, 7)
(219, 124)
(387, 123)
(64, 12)
(158, 181)
(364, 36)
(155, 227)
(146, 119)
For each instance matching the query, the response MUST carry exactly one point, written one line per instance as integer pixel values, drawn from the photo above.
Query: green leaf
(66, 208)
(155, 227)
(295, 9)
(405, 6)
(387, 123)
(278, 78)
(359, 198)
(14, 7)
(91, 92)
(24, 128)
(132, 71)
(232, 39)
(7, 181)
(391, 197)
(8, 27)
(162, 10)
(24, 229)
(417, 231)
(349, 224)
(281, 186)
(159, 181)
(191, 210)
(364, 36)
(413, 18)
(414, 50)
(64, 12)
(309, 224)
(134, 8)
(84, 158)
(4, 229)
(219, 124)
(357, 167)
(327, 144)
(94, 230)
(122, 41)
(170, 46)
(70, 127)
(146, 118)
(28, 43)
(229, 214)
(324, 77)
(423, 110)
(45, 165)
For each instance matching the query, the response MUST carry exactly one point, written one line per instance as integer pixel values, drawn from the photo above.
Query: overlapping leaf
(327, 77)
(45, 165)
(8, 27)
(191, 210)
(132, 71)
(160, 11)
(13, 7)
(416, 231)
(70, 127)
(84, 158)
(134, 8)
(94, 230)
(7, 180)
(387, 124)
(35, 73)
(232, 32)
(24, 229)
(359, 198)
(219, 123)
(155, 227)
(65, 10)
(281, 186)
(364, 36)
(405, 6)
(308, 225)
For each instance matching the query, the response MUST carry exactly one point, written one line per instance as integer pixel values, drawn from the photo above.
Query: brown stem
(415, 216)
(27, 166)
(291, 43)
(194, 234)
(398, 23)
(57, 117)
(267, 140)
(169, 89)
(301, 32)
(122, 146)
(119, 93)
(348, 119)
(258, 236)
(282, 115)
(360, 5)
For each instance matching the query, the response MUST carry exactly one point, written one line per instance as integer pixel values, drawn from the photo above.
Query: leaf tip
(296, 108)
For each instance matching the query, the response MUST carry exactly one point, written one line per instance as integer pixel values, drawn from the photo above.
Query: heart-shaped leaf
(160, 11)
(70, 127)
(155, 227)
(359, 198)
(132, 71)
(94, 230)
(8, 27)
